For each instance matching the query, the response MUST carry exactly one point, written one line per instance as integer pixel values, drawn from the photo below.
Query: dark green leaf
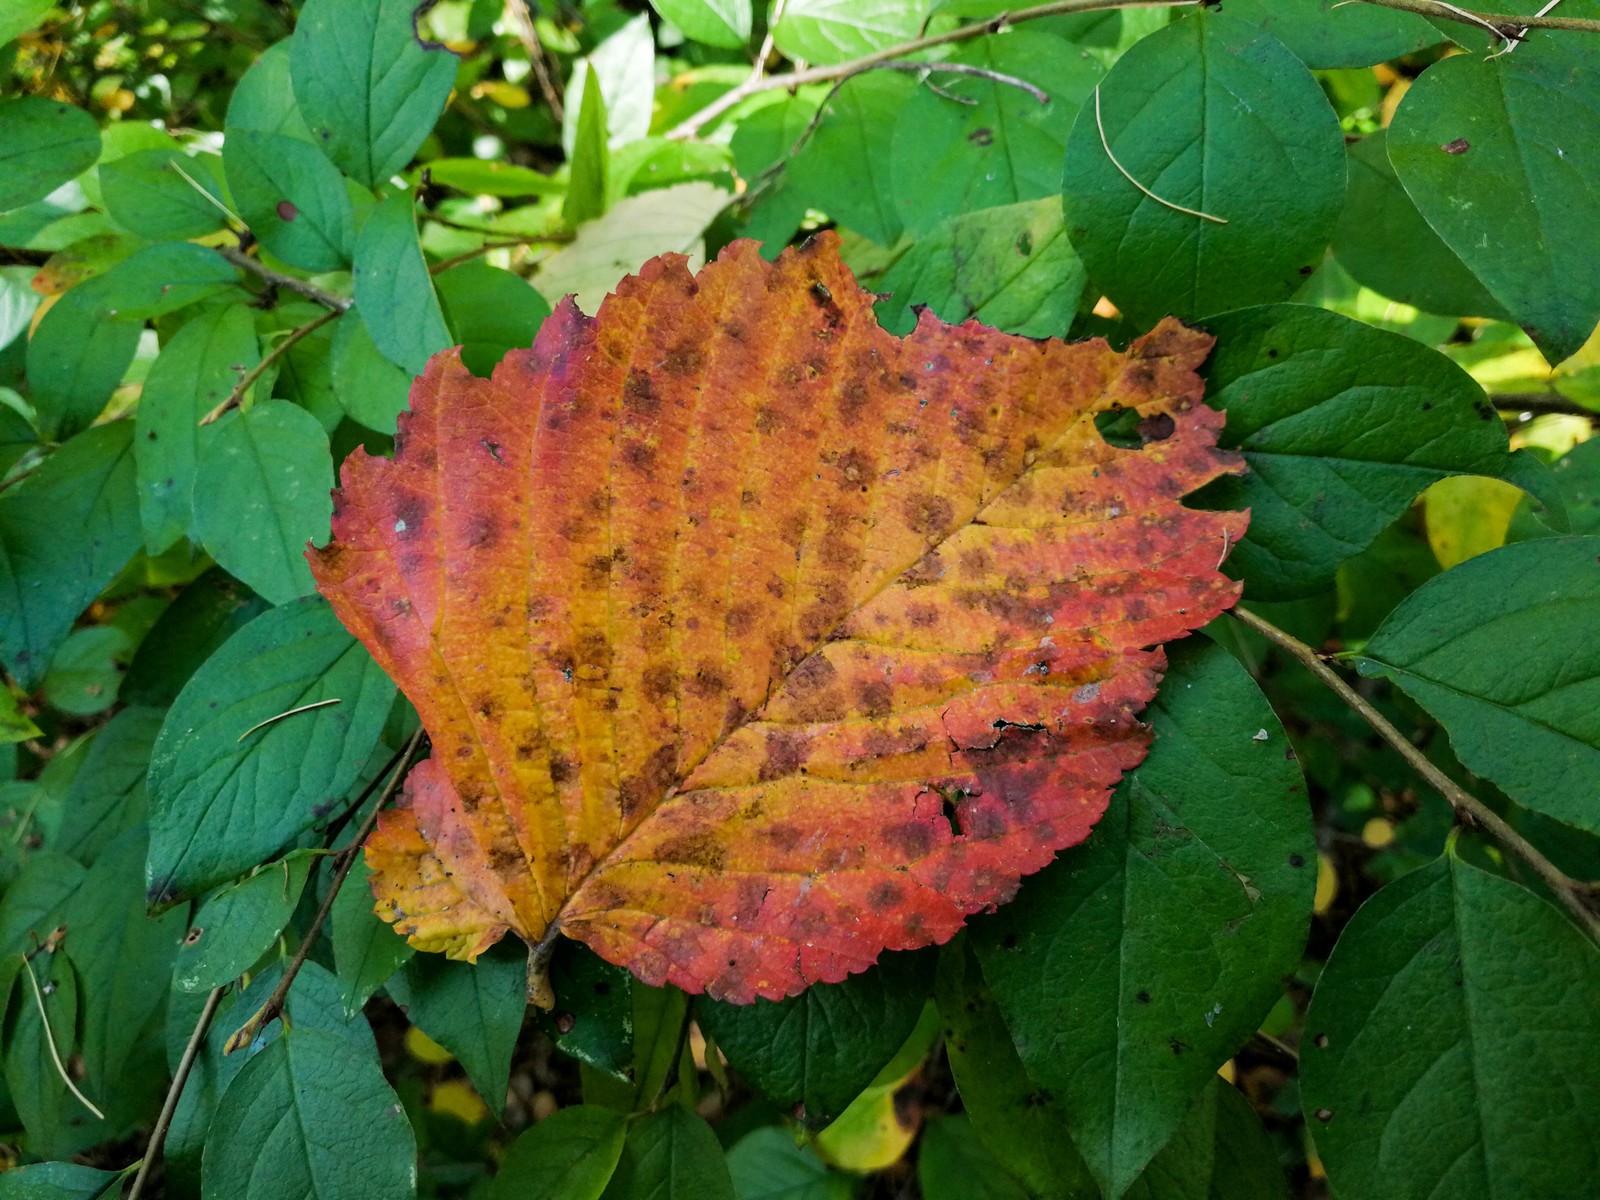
(368, 89)
(15, 725)
(589, 159)
(86, 670)
(472, 1010)
(33, 902)
(107, 796)
(1577, 476)
(844, 168)
(264, 100)
(593, 1017)
(308, 1116)
(366, 951)
(670, 1155)
(372, 389)
(219, 804)
(1453, 1044)
(724, 23)
(1010, 268)
(1133, 967)
(820, 1048)
(163, 193)
(489, 312)
(86, 486)
(1497, 650)
(1342, 426)
(1220, 1152)
(43, 143)
(205, 614)
(262, 493)
(952, 1164)
(237, 925)
(570, 1155)
(1219, 118)
(58, 1181)
(393, 290)
(292, 197)
(835, 31)
(195, 371)
(767, 1165)
(1325, 33)
(1502, 156)
(50, 1115)
(952, 158)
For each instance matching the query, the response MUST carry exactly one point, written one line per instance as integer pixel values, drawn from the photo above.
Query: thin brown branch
(158, 1135)
(1573, 893)
(278, 279)
(233, 398)
(1541, 404)
(444, 265)
(273, 1008)
(1505, 25)
(793, 79)
(522, 23)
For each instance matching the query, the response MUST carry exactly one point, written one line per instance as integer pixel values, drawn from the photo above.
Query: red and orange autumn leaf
(753, 640)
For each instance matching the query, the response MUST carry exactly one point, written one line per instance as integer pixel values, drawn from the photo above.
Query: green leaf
(1220, 1152)
(224, 799)
(33, 903)
(1326, 34)
(1502, 156)
(1007, 1110)
(38, 1091)
(835, 31)
(1577, 476)
(308, 1116)
(1495, 649)
(670, 1155)
(570, 1155)
(394, 292)
(87, 487)
(767, 1165)
(589, 160)
(844, 169)
(952, 1164)
(261, 493)
(1132, 968)
(1385, 244)
(294, 200)
(951, 158)
(372, 389)
(1342, 427)
(86, 670)
(163, 193)
(43, 143)
(491, 177)
(194, 373)
(15, 725)
(238, 924)
(820, 1048)
(369, 91)
(264, 99)
(659, 1017)
(1453, 1044)
(593, 1017)
(18, 302)
(107, 797)
(17, 17)
(473, 1010)
(58, 1180)
(624, 65)
(489, 312)
(366, 951)
(205, 614)
(1217, 117)
(1010, 268)
(724, 23)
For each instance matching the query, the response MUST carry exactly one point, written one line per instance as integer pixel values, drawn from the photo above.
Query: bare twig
(169, 1106)
(1503, 25)
(793, 79)
(50, 1042)
(273, 1008)
(1542, 404)
(280, 716)
(233, 398)
(1105, 145)
(279, 280)
(1573, 894)
(522, 22)
(935, 68)
(439, 268)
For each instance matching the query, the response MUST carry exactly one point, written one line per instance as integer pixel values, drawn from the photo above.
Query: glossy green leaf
(261, 494)
(951, 158)
(223, 798)
(372, 389)
(1010, 268)
(1220, 1152)
(107, 796)
(472, 1010)
(1533, 728)
(368, 89)
(593, 1017)
(670, 1155)
(1502, 156)
(43, 143)
(1327, 34)
(1385, 244)
(767, 1165)
(294, 200)
(1342, 427)
(1453, 1044)
(724, 23)
(820, 1048)
(952, 1164)
(366, 951)
(195, 372)
(570, 1155)
(1133, 967)
(1009, 1114)
(238, 924)
(86, 486)
(205, 614)
(308, 1116)
(1217, 117)
(163, 193)
(835, 31)
(394, 292)
(489, 311)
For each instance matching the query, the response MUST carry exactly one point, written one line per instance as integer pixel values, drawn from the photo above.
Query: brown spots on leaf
(885, 896)
(739, 620)
(913, 839)
(1157, 428)
(699, 850)
(853, 470)
(709, 680)
(683, 359)
(876, 698)
(853, 397)
(982, 136)
(785, 753)
(659, 681)
(640, 456)
(562, 769)
(928, 514)
(1458, 146)
(287, 211)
